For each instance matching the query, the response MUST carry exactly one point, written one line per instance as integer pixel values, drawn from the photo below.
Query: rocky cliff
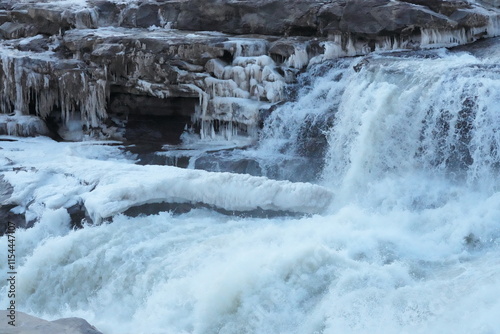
(86, 67)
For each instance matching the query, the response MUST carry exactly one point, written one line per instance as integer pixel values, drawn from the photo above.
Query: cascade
(435, 111)
(294, 133)
(398, 118)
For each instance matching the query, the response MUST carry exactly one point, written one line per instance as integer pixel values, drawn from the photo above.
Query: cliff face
(87, 66)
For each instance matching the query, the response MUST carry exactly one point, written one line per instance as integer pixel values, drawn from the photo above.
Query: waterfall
(436, 116)
(391, 115)
(294, 135)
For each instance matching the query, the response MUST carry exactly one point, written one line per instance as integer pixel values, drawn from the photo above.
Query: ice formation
(22, 125)
(60, 175)
(235, 77)
(236, 92)
(41, 83)
(175, 185)
(431, 38)
(411, 244)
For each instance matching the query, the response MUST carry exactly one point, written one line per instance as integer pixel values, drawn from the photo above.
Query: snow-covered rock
(46, 175)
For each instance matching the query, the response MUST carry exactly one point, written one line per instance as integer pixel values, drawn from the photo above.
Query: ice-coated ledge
(228, 191)
(47, 175)
(22, 125)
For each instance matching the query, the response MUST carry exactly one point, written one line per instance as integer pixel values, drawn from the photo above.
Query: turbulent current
(407, 143)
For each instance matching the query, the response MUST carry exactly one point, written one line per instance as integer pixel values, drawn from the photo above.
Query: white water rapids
(409, 244)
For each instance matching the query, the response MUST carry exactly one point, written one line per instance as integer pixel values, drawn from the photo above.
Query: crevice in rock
(132, 104)
(155, 130)
(180, 208)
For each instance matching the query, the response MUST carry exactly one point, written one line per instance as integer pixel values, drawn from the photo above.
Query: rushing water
(410, 243)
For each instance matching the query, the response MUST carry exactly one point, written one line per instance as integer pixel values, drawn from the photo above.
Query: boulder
(48, 21)
(317, 18)
(27, 324)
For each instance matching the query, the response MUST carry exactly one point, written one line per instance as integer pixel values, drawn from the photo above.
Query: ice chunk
(216, 67)
(299, 59)
(232, 95)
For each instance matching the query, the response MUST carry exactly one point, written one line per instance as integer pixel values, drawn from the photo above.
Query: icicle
(438, 38)
(299, 59)
(493, 27)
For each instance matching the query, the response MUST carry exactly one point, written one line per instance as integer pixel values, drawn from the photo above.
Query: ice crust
(59, 175)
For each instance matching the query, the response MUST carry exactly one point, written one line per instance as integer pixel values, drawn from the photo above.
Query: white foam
(207, 273)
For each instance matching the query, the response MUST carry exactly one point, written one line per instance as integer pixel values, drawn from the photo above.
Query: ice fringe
(40, 84)
(252, 75)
